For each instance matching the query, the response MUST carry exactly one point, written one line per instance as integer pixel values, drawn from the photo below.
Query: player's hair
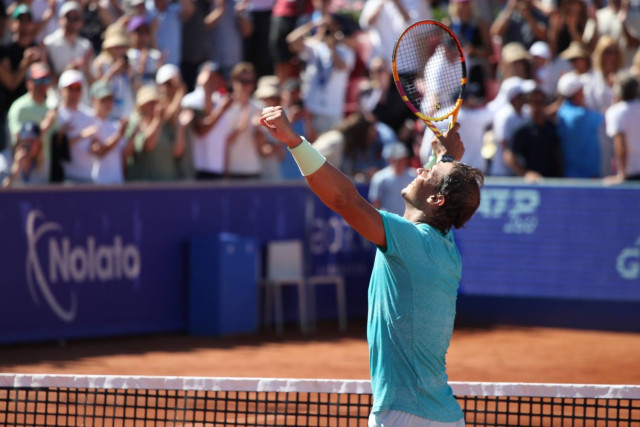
(461, 191)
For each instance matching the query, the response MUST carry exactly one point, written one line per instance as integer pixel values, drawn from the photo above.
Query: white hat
(540, 49)
(166, 73)
(511, 88)
(193, 100)
(394, 151)
(69, 78)
(529, 86)
(569, 84)
(69, 6)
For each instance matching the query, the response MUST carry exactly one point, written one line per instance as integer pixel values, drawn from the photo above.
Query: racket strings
(430, 70)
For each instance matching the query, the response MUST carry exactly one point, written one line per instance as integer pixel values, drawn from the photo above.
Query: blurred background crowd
(109, 91)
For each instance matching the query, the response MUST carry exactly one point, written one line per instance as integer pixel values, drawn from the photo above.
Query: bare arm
(214, 16)
(333, 187)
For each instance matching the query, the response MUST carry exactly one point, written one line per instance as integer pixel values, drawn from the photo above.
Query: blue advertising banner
(91, 262)
(87, 262)
(571, 242)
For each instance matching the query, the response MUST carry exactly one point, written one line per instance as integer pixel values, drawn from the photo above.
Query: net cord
(587, 391)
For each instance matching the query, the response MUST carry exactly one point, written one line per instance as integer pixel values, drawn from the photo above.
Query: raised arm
(332, 187)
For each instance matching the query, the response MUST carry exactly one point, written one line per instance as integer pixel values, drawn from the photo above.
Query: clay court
(501, 354)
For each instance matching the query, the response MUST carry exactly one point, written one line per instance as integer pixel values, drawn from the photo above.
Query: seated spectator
(108, 141)
(352, 148)
(157, 145)
(144, 60)
(245, 142)
(66, 49)
(387, 183)
(329, 64)
(27, 156)
(381, 98)
(520, 21)
(73, 119)
(112, 66)
(578, 129)
(534, 151)
(31, 107)
(623, 125)
(208, 129)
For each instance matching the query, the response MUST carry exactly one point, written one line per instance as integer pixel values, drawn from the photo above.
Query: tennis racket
(429, 72)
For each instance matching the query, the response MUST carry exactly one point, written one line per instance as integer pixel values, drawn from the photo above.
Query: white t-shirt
(108, 169)
(389, 24)
(82, 160)
(324, 86)
(244, 156)
(61, 52)
(624, 117)
(208, 150)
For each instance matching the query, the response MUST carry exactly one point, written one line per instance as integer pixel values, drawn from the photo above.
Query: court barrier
(87, 261)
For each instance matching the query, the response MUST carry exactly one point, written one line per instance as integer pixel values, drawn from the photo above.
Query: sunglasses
(73, 18)
(25, 17)
(75, 87)
(42, 81)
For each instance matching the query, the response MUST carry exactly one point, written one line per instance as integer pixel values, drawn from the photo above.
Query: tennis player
(414, 283)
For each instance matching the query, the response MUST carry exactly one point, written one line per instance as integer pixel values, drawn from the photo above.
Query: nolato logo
(628, 262)
(69, 263)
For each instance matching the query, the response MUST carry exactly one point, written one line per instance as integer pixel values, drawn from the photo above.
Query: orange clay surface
(511, 354)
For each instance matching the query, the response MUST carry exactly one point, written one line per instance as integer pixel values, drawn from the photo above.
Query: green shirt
(158, 164)
(26, 109)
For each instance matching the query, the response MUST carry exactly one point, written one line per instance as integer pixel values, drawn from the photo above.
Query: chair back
(285, 260)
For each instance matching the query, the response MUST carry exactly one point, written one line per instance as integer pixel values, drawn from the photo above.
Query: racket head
(429, 71)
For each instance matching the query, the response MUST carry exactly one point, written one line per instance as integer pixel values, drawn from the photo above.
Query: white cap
(394, 151)
(69, 6)
(529, 86)
(540, 49)
(193, 100)
(569, 84)
(166, 73)
(69, 78)
(512, 87)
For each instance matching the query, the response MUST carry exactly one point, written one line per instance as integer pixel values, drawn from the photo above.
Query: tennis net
(176, 401)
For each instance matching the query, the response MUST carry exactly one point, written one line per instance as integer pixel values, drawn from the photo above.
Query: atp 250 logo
(518, 206)
(68, 264)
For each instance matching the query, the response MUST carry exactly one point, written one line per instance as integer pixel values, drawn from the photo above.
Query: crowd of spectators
(109, 91)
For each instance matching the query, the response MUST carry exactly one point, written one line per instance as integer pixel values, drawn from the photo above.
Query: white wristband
(307, 157)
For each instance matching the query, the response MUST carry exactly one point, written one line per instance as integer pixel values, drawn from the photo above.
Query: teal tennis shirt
(412, 306)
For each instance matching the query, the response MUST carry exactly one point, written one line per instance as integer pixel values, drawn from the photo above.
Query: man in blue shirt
(414, 283)
(578, 129)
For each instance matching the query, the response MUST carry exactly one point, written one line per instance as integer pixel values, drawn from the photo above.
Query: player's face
(426, 184)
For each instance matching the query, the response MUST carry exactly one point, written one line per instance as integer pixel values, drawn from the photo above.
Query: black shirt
(538, 149)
